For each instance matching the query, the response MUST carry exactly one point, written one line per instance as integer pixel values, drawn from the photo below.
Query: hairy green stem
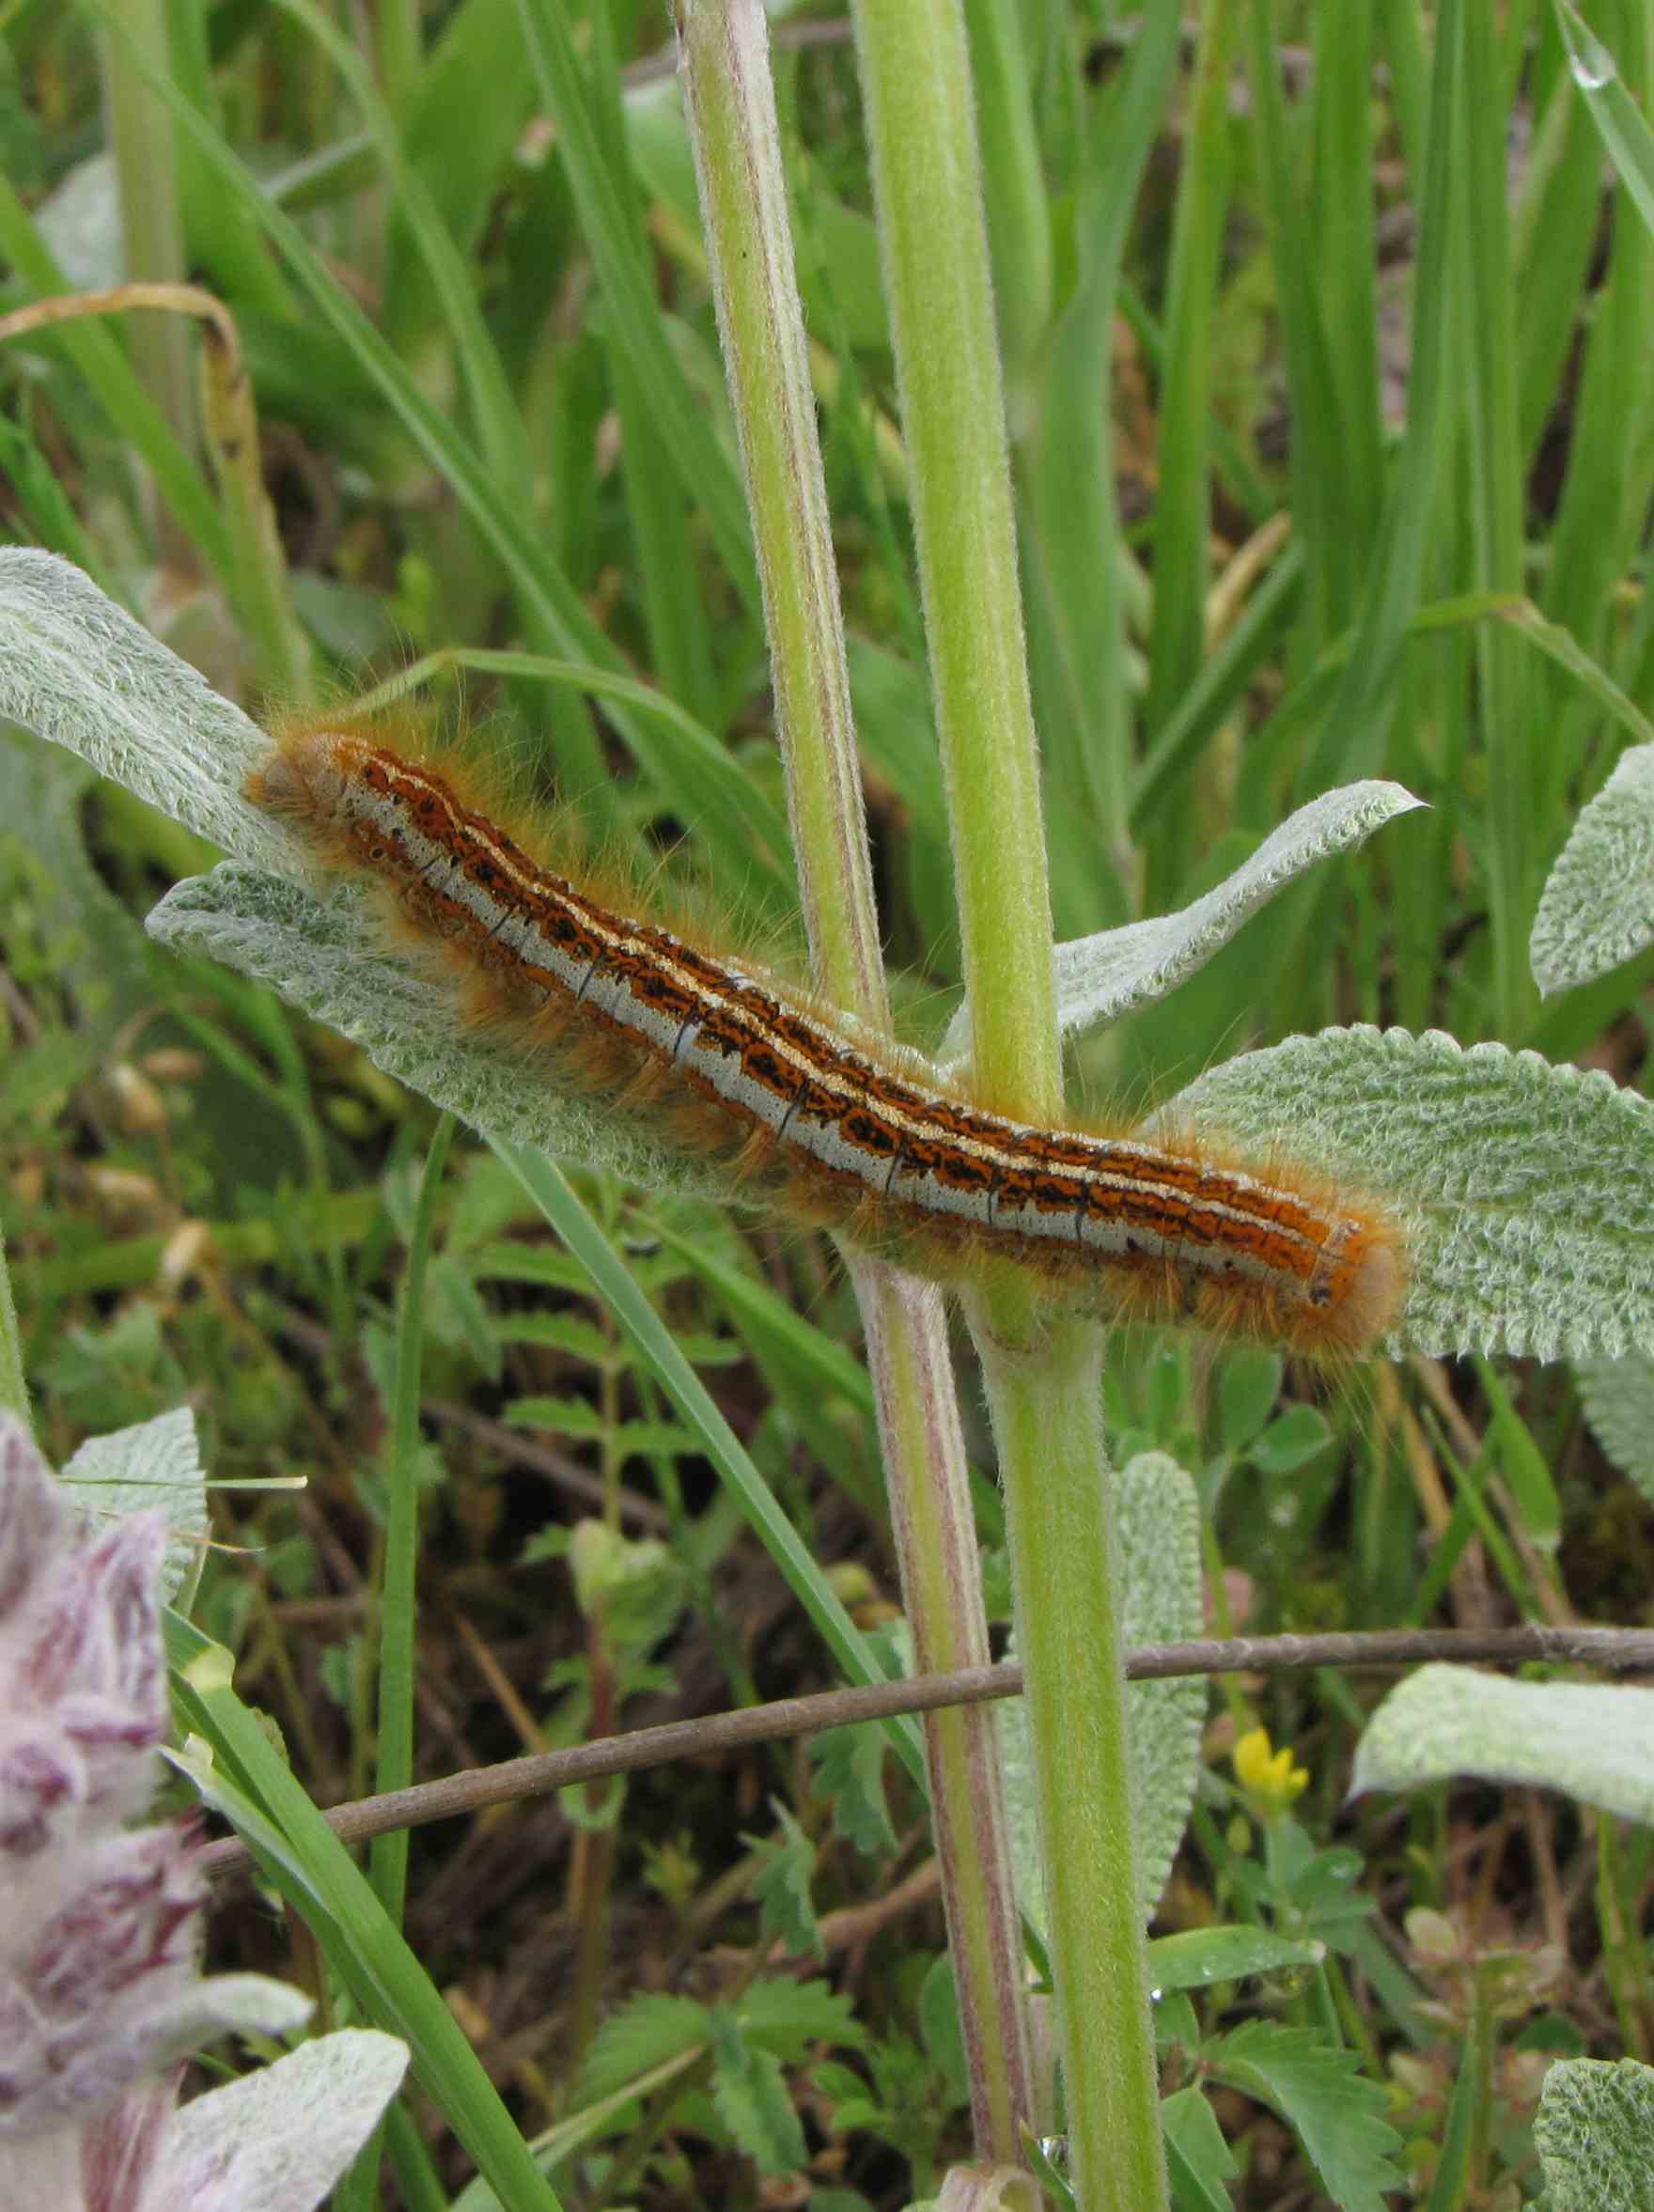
(731, 108)
(1041, 1381)
(917, 85)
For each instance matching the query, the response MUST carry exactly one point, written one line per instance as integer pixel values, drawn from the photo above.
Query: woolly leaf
(1158, 1517)
(1597, 906)
(77, 669)
(1594, 1741)
(1319, 2092)
(156, 1464)
(1530, 1231)
(281, 2135)
(1100, 978)
(1159, 1521)
(1594, 2132)
(1619, 1398)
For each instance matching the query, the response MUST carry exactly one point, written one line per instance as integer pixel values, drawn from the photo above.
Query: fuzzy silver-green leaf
(1593, 1740)
(1100, 978)
(154, 1466)
(1597, 906)
(1524, 1191)
(1594, 2132)
(1619, 1398)
(77, 669)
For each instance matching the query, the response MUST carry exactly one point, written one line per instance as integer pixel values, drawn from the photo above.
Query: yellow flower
(1269, 1777)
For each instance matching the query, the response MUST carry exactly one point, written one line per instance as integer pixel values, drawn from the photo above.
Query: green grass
(468, 276)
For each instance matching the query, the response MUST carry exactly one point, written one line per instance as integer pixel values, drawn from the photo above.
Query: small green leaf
(559, 1332)
(545, 1265)
(787, 2017)
(782, 1887)
(849, 1773)
(560, 1416)
(751, 2094)
(939, 2023)
(1177, 2025)
(838, 2083)
(644, 2034)
(1320, 2091)
(1291, 1441)
(1249, 1383)
(644, 1439)
(1195, 1958)
(1200, 2162)
(634, 1585)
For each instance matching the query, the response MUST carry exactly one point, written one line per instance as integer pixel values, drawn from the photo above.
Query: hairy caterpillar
(746, 1070)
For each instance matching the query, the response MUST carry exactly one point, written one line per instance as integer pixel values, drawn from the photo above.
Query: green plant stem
(592, 1875)
(399, 1611)
(1019, 218)
(1047, 1423)
(1621, 1942)
(14, 1389)
(731, 103)
(628, 301)
(743, 199)
(916, 81)
(916, 84)
(942, 1594)
(1481, 2044)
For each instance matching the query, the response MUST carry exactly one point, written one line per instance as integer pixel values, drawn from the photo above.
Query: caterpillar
(741, 1068)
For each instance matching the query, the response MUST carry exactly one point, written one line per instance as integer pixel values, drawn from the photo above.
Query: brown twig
(1620, 1650)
